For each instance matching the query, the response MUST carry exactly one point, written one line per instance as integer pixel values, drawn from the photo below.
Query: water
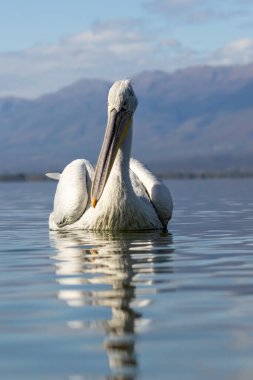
(175, 305)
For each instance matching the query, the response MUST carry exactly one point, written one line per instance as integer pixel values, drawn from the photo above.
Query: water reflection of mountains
(116, 271)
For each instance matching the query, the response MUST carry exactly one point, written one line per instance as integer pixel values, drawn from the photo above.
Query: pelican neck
(122, 160)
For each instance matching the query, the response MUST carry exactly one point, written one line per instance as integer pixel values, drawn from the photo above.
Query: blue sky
(47, 45)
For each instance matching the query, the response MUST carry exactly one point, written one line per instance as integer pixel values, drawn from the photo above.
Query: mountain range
(196, 118)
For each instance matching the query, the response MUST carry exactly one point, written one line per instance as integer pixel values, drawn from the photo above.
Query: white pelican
(122, 194)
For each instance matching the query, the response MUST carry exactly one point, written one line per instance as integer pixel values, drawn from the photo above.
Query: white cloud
(109, 51)
(238, 46)
(196, 11)
(170, 42)
(239, 51)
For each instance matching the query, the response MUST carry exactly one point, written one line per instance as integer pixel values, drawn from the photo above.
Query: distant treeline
(22, 177)
(207, 174)
(165, 175)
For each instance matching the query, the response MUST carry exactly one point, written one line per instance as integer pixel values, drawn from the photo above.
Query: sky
(46, 45)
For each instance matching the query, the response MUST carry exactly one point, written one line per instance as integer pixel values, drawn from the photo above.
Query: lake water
(175, 305)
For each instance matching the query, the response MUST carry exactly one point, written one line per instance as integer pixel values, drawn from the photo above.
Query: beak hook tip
(94, 202)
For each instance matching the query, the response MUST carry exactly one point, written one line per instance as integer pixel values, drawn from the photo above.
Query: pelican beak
(117, 127)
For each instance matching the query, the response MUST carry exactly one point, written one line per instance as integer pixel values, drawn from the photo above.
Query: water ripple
(129, 306)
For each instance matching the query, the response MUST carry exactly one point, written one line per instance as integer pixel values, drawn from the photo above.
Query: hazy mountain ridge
(200, 111)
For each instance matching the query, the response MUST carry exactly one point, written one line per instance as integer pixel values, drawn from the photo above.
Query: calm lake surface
(175, 305)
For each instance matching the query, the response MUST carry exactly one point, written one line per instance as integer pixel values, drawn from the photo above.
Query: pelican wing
(73, 192)
(157, 192)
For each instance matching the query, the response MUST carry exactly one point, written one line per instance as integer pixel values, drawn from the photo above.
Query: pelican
(121, 194)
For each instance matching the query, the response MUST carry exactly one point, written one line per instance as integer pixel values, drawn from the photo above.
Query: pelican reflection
(108, 270)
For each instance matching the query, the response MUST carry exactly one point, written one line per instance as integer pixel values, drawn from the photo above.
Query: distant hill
(191, 118)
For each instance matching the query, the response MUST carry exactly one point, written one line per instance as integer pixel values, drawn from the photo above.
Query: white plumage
(125, 195)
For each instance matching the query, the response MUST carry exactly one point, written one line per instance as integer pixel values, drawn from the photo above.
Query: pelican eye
(125, 106)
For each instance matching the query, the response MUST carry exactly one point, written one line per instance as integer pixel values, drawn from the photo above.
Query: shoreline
(21, 177)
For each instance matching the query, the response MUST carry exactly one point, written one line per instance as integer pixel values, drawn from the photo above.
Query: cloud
(239, 51)
(109, 50)
(196, 11)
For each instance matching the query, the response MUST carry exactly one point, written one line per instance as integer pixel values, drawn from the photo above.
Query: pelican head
(122, 104)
